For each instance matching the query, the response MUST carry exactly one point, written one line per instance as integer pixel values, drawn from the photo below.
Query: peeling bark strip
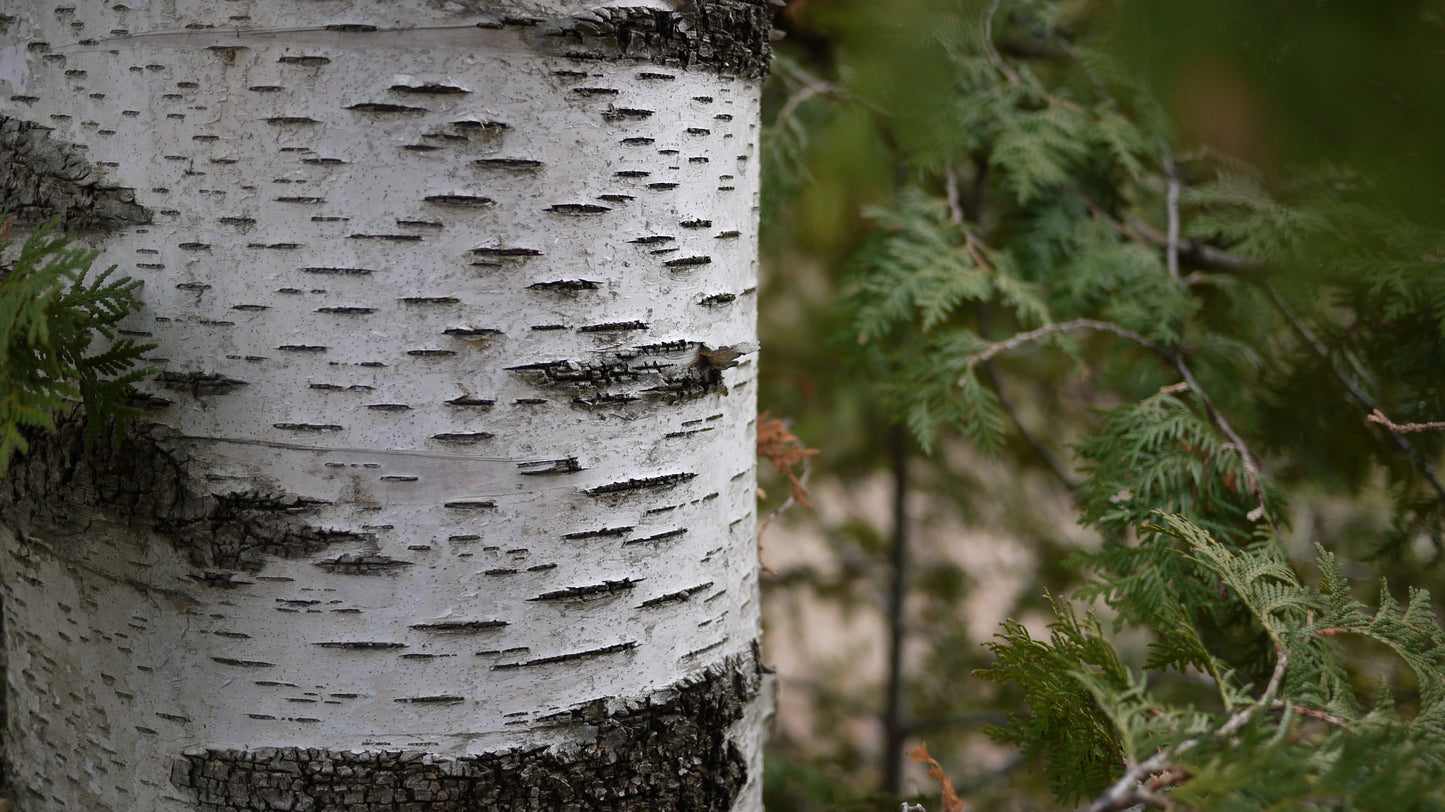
(43, 178)
(668, 751)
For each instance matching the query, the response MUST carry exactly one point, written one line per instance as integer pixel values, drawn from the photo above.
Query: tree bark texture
(444, 499)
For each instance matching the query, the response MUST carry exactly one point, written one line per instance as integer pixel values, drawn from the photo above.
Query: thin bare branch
(955, 209)
(1328, 718)
(1364, 400)
(1378, 416)
(787, 503)
(821, 86)
(1190, 252)
(1062, 327)
(1124, 792)
(971, 244)
(991, 51)
(1171, 205)
(791, 105)
(1240, 719)
(1251, 464)
(995, 380)
(1043, 452)
(1200, 254)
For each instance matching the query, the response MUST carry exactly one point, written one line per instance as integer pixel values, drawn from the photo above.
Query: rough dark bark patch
(60, 485)
(43, 178)
(668, 751)
(732, 37)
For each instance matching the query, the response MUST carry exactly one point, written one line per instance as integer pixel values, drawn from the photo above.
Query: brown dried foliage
(951, 801)
(785, 452)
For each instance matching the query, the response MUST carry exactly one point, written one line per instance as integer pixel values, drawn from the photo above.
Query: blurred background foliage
(1252, 190)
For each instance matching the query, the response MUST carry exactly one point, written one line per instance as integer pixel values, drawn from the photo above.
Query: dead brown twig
(1378, 416)
(787, 453)
(951, 801)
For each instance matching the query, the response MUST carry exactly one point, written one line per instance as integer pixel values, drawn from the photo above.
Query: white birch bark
(445, 496)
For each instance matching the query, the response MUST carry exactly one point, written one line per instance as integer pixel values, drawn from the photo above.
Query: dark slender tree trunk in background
(895, 714)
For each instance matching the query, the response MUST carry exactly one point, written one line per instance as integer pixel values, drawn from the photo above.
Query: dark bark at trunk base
(669, 751)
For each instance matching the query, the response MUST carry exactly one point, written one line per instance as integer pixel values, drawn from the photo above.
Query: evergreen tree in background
(1187, 258)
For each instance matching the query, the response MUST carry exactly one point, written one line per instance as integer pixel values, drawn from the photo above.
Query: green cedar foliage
(50, 312)
(1301, 737)
(1228, 327)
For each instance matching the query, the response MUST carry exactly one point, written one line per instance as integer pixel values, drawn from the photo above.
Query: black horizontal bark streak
(445, 699)
(199, 383)
(667, 536)
(589, 592)
(569, 657)
(565, 285)
(349, 564)
(672, 597)
(460, 626)
(631, 486)
(667, 752)
(601, 533)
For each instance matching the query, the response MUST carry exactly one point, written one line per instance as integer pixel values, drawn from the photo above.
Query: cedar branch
(1136, 786)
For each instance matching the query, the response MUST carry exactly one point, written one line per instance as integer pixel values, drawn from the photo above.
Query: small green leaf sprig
(51, 311)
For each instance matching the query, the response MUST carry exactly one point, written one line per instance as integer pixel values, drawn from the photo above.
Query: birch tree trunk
(445, 495)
